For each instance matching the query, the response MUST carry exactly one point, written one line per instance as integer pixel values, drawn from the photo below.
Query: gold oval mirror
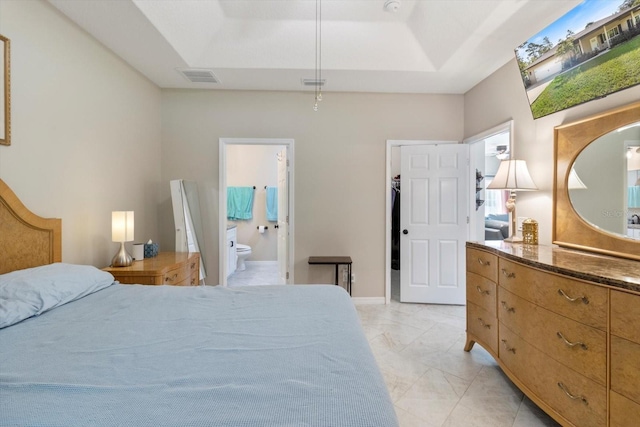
(592, 212)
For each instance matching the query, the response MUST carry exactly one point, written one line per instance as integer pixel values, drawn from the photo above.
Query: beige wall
(85, 132)
(501, 97)
(339, 164)
(248, 166)
(91, 135)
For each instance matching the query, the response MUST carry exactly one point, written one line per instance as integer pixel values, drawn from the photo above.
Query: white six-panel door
(433, 218)
(283, 216)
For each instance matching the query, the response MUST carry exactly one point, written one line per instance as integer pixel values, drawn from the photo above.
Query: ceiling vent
(198, 75)
(314, 82)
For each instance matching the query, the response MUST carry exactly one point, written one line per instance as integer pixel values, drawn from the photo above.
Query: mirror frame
(6, 90)
(569, 229)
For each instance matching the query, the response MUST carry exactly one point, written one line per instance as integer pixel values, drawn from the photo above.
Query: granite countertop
(607, 270)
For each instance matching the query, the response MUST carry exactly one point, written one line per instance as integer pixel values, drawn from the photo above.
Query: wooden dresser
(564, 326)
(168, 268)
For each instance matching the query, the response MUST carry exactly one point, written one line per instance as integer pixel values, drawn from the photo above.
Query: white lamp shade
(575, 183)
(512, 175)
(122, 226)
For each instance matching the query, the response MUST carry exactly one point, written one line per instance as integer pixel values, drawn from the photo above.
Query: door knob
(405, 231)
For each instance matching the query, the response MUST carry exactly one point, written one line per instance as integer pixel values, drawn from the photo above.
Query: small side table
(167, 268)
(335, 260)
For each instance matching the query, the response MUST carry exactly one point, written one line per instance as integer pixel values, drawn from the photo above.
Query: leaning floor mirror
(5, 93)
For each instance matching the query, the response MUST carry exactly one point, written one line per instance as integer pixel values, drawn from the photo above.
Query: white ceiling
(427, 46)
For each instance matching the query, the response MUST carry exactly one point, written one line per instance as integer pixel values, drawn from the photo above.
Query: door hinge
(467, 219)
(287, 219)
(287, 275)
(287, 162)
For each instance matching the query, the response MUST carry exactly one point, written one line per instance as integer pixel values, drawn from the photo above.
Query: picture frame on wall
(5, 91)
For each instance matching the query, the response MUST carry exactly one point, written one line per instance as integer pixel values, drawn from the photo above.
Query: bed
(77, 348)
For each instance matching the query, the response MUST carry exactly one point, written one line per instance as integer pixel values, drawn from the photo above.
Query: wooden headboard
(26, 239)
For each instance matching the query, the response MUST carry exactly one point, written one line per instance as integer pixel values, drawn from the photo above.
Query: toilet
(243, 252)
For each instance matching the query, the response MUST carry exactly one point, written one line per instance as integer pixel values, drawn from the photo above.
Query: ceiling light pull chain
(319, 85)
(318, 73)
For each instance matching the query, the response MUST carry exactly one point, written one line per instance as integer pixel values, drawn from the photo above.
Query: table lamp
(512, 175)
(122, 231)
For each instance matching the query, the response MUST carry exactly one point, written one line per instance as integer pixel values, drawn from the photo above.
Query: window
(613, 32)
(495, 200)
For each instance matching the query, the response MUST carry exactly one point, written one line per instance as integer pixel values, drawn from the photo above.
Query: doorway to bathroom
(256, 211)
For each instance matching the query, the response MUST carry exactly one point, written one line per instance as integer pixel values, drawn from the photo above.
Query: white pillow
(32, 291)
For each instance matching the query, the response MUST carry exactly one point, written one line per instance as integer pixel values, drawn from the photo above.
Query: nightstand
(168, 268)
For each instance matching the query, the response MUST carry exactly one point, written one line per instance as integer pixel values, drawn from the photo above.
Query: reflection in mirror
(609, 169)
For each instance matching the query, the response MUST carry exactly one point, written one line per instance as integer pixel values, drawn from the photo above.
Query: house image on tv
(597, 37)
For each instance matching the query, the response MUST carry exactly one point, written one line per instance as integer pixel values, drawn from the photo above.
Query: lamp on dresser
(512, 175)
(122, 231)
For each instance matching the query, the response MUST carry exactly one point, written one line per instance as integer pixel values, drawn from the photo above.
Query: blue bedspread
(132, 355)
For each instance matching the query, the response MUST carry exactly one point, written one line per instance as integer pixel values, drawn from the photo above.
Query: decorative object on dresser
(543, 313)
(122, 231)
(168, 268)
(512, 175)
(530, 231)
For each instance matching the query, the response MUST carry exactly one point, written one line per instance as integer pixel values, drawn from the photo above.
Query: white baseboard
(368, 300)
(262, 263)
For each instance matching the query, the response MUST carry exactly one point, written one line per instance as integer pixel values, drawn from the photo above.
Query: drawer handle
(572, 344)
(506, 346)
(193, 265)
(507, 274)
(481, 292)
(482, 262)
(571, 396)
(506, 307)
(484, 324)
(583, 298)
(172, 278)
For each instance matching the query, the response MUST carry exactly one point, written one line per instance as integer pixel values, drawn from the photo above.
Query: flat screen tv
(588, 53)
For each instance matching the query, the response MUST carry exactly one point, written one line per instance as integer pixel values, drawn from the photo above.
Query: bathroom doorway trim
(222, 199)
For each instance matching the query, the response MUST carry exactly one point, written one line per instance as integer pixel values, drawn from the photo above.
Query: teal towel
(239, 203)
(634, 197)
(272, 203)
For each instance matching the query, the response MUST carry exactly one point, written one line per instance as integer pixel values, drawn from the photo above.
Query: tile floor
(256, 273)
(432, 381)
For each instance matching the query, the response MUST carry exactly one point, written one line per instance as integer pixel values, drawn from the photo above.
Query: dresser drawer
(575, 397)
(482, 292)
(182, 273)
(482, 263)
(624, 412)
(625, 367)
(139, 279)
(571, 298)
(483, 325)
(625, 315)
(577, 346)
(191, 280)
